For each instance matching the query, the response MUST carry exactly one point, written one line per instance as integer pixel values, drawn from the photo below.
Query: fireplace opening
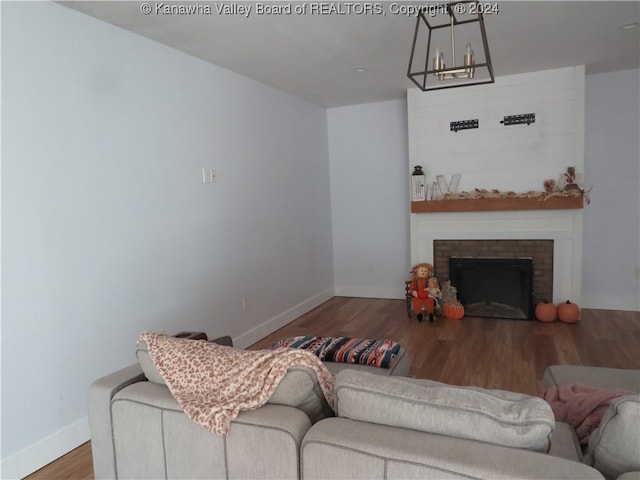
(494, 287)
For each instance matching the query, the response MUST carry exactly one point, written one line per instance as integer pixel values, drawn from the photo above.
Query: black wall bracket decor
(463, 125)
(520, 119)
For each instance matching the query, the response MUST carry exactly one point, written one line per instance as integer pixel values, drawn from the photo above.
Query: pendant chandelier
(434, 39)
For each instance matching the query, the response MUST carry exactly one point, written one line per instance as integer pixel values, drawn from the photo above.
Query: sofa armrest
(100, 422)
(336, 448)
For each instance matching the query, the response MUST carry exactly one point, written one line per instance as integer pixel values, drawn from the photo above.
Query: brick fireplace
(553, 238)
(539, 250)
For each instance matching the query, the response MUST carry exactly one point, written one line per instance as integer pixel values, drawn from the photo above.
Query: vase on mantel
(447, 187)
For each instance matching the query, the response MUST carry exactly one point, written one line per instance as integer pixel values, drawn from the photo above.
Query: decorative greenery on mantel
(540, 196)
(493, 200)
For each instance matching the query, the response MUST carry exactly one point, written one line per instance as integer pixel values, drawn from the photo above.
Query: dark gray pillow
(226, 341)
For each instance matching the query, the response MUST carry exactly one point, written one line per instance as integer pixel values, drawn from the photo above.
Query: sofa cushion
(339, 448)
(629, 476)
(352, 350)
(399, 367)
(299, 388)
(599, 377)
(614, 447)
(493, 416)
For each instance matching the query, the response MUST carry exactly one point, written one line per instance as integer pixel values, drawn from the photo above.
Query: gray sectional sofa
(387, 426)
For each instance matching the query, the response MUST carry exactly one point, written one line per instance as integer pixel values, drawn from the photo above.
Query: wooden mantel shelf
(497, 204)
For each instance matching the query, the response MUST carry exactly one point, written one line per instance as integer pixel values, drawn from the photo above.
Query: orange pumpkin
(453, 310)
(546, 311)
(568, 312)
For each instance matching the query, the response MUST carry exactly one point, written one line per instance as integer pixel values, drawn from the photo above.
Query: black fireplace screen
(494, 287)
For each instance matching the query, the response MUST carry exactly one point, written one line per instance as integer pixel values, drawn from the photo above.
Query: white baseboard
(45, 451)
(371, 292)
(605, 302)
(279, 321)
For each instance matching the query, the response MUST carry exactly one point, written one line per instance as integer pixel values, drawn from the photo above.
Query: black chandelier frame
(421, 76)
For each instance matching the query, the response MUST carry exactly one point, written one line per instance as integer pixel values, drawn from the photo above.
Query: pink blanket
(581, 406)
(213, 383)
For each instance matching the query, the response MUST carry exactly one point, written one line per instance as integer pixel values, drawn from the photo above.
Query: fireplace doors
(494, 287)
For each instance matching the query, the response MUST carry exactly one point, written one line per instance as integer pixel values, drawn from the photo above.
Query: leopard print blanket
(213, 383)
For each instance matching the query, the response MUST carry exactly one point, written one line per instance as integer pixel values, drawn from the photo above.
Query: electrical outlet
(245, 304)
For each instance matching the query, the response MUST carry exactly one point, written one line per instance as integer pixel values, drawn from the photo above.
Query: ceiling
(316, 56)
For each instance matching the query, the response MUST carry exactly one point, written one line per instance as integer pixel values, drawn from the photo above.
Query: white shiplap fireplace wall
(509, 158)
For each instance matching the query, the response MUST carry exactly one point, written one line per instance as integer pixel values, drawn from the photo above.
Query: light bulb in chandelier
(468, 56)
(438, 60)
(469, 61)
(467, 70)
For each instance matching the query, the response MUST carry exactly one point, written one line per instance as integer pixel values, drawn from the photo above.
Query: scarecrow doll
(420, 297)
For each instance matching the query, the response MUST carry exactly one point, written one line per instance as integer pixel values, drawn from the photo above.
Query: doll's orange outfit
(422, 298)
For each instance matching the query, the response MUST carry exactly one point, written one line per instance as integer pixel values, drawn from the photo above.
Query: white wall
(495, 156)
(108, 229)
(369, 191)
(612, 166)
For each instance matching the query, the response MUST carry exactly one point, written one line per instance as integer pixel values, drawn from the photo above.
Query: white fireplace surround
(564, 227)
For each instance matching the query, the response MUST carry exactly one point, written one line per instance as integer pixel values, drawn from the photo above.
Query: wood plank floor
(75, 465)
(491, 353)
